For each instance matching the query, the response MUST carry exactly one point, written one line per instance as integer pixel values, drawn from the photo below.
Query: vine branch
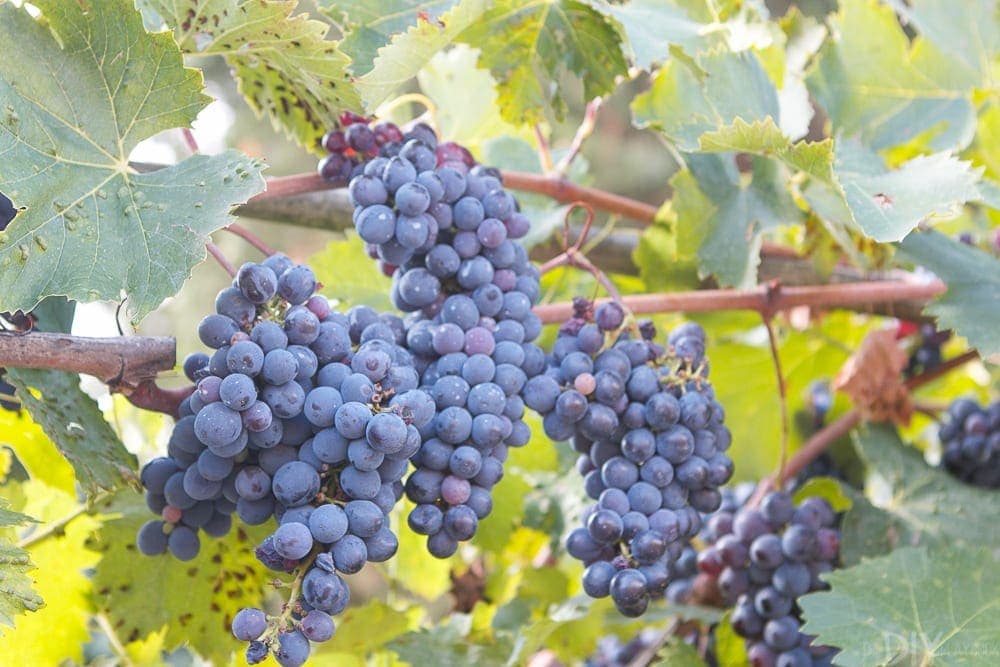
(129, 364)
(819, 442)
(765, 299)
(782, 391)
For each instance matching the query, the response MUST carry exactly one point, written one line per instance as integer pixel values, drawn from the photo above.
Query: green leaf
(283, 63)
(651, 27)
(877, 87)
(971, 306)
(730, 648)
(888, 204)
(727, 216)
(75, 424)
(913, 504)
(349, 276)
(403, 57)
(680, 653)
(55, 634)
(370, 26)
(912, 607)
(16, 594)
(196, 600)
(92, 228)
(762, 137)
(70, 418)
(467, 107)
(530, 46)
(365, 628)
(691, 96)
(827, 488)
(970, 38)
(447, 645)
(856, 189)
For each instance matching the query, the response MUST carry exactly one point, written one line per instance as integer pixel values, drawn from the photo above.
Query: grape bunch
(763, 559)
(971, 442)
(926, 354)
(684, 573)
(446, 230)
(652, 446)
(350, 146)
(301, 413)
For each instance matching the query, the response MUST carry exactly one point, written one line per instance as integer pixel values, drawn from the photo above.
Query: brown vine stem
(214, 251)
(544, 152)
(296, 184)
(648, 654)
(126, 360)
(765, 299)
(782, 391)
(819, 442)
(251, 238)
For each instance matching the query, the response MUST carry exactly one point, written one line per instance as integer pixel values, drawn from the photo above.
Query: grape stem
(765, 299)
(772, 341)
(574, 257)
(544, 152)
(214, 251)
(819, 442)
(189, 140)
(251, 238)
(289, 607)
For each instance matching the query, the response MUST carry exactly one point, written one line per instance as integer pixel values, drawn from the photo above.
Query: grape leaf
(447, 645)
(16, 594)
(915, 606)
(854, 186)
(366, 628)
(912, 504)
(827, 488)
(75, 424)
(730, 648)
(56, 633)
(651, 27)
(71, 114)
(196, 600)
(283, 63)
(965, 37)
(466, 101)
(531, 46)
(691, 96)
(731, 215)
(971, 306)
(370, 26)
(407, 52)
(875, 86)
(70, 418)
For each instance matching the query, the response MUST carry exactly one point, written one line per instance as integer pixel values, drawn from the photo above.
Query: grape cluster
(926, 355)
(446, 231)
(684, 570)
(652, 446)
(355, 142)
(971, 442)
(763, 559)
(300, 413)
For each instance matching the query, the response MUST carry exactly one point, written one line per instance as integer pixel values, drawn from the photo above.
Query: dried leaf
(872, 377)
